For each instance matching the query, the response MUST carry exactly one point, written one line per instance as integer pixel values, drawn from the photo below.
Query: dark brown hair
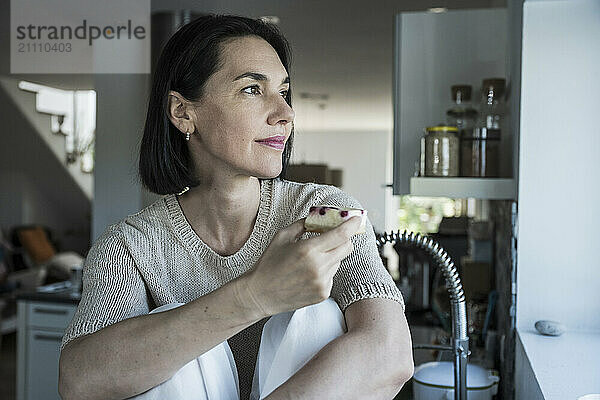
(187, 61)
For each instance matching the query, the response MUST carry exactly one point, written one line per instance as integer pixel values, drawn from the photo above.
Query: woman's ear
(179, 113)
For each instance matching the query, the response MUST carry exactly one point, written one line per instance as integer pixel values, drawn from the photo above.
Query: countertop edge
(566, 366)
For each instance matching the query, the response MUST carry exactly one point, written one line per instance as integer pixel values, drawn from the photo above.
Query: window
(424, 214)
(73, 114)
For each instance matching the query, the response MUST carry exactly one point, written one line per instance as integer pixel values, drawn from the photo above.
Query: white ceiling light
(437, 10)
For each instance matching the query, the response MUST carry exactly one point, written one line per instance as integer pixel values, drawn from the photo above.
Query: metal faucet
(460, 339)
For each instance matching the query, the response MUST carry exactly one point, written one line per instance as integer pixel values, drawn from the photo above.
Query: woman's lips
(276, 144)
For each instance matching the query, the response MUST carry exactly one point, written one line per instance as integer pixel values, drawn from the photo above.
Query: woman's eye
(255, 90)
(255, 87)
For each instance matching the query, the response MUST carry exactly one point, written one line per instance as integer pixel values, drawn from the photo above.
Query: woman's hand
(293, 273)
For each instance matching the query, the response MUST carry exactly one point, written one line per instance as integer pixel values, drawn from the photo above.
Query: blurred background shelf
(456, 187)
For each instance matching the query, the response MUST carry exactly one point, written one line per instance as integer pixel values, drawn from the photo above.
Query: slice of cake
(324, 218)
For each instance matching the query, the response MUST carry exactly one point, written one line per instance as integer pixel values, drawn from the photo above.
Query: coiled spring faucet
(460, 339)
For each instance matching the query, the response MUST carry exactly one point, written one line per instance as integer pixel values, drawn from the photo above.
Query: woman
(231, 245)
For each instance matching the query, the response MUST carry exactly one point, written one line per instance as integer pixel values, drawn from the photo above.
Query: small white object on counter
(550, 328)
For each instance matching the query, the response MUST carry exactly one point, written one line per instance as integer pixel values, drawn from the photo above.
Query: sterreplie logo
(80, 37)
(82, 32)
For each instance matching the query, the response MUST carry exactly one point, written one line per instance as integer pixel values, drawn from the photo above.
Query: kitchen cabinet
(41, 323)
(432, 52)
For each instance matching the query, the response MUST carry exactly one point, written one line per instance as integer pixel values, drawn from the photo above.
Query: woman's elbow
(65, 391)
(66, 381)
(69, 377)
(402, 374)
(405, 364)
(406, 372)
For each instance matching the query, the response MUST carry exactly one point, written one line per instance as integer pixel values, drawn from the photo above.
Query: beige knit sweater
(154, 257)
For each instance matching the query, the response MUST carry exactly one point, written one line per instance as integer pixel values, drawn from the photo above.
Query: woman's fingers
(337, 236)
(291, 274)
(340, 253)
(292, 233)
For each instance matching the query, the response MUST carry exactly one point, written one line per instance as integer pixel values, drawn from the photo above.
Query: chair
(35, 245)
(39, 252)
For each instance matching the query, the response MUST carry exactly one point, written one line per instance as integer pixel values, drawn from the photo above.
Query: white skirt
(289, 340)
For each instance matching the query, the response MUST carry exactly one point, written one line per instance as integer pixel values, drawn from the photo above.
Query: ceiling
(343, 49)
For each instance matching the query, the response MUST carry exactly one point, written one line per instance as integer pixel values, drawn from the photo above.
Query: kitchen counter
(564, 367)
(56, 294)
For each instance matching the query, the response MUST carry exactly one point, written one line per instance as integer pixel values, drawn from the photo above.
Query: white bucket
(435, 381)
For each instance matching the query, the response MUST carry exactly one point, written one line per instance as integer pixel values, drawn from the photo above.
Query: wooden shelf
(479, 188)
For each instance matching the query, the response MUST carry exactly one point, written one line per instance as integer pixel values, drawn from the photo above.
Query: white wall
(361, 155)
(34, 185)
(122, 101)
(11, 211)
(559, 186)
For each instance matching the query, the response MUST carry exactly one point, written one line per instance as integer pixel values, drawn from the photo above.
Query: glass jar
(480, 147)
(492, 107)
(440, 148)
(461, 114)
(480, 152)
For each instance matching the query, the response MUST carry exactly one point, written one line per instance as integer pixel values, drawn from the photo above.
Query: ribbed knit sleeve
(362, 274)
(112, 290)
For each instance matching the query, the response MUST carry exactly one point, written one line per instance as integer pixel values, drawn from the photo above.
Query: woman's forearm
(353, 366)
(139, 353)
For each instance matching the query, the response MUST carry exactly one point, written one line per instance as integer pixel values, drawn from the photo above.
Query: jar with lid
(480, 149)
(492, 108)
(461, 114)
(480, 146)
(440, 151)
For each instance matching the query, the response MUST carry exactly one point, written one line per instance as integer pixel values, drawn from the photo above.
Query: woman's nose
(282, 113)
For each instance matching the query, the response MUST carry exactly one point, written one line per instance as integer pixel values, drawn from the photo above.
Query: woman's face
(243, 102)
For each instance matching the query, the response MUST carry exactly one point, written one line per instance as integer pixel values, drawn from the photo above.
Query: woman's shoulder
(311, 189)
(151, 213)
(301, 196)
(144, 223)
(296, 192)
